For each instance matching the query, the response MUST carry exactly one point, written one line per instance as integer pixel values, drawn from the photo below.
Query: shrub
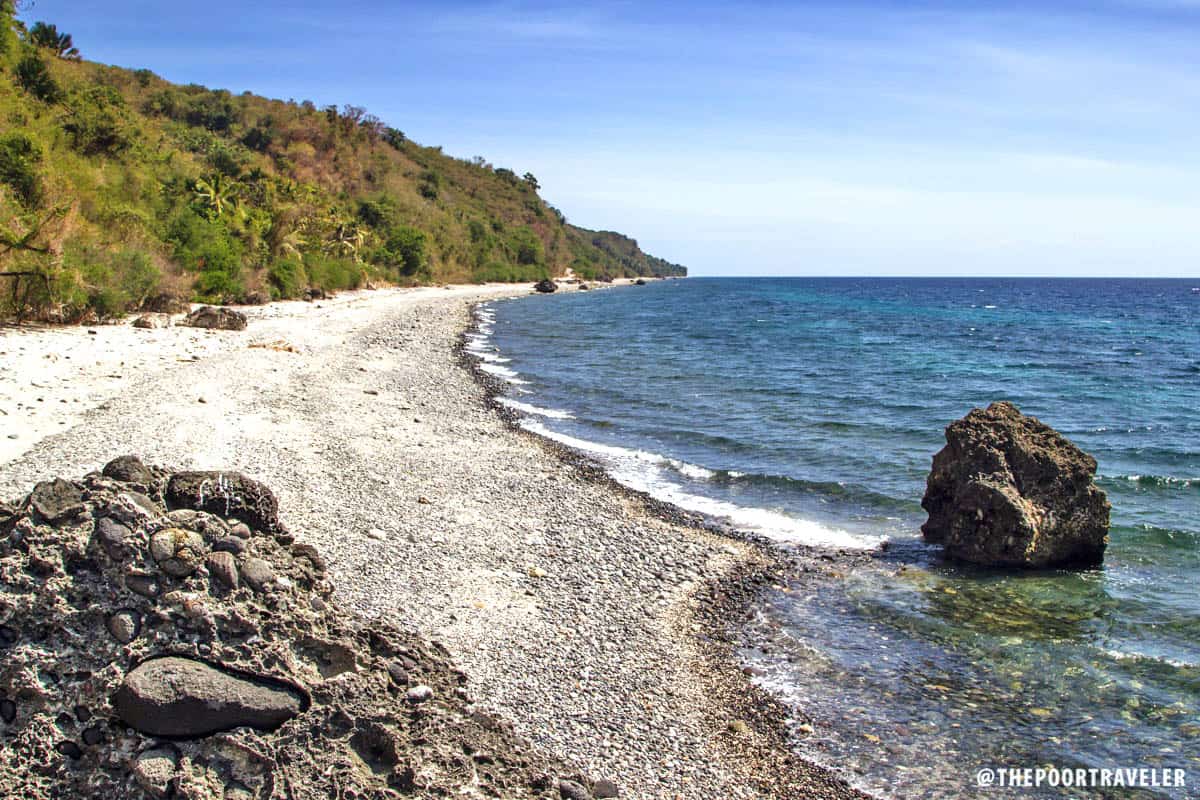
(213, 110)
(205, 246)
(395, 138)
(34, 77)
(98, 124)
(332, 273)
(287, 278)
(19, 157)
(407, 250)
(527, 247)
(259, 138)
(377, 213)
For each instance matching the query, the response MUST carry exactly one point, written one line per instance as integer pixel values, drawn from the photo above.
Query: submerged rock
(1008, 490)
(181, 697)
(218, 318)
(545, 286)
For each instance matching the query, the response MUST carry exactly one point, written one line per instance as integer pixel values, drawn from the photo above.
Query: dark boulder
(226, 494)
(219, 318)
(56, 500)
(640, 282)
(1008, 490)
(181, 697)
(545, 286)
(151, 321)
(129, 469)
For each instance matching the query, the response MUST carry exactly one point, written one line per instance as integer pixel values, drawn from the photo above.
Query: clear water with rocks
(808, 410)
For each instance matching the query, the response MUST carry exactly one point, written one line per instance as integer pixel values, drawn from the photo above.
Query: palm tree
(348, 239)
(43, 35)
(217, 194)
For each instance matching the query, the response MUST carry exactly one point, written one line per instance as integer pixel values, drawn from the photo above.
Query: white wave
(507, 374)
(643, 471)
(1120, 655)
(691, 470)
(528, 408)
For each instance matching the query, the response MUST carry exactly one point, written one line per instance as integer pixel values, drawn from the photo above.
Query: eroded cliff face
(163, 635)
(1008, 490)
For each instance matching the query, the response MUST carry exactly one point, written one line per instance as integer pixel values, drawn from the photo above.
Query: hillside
(119, 189)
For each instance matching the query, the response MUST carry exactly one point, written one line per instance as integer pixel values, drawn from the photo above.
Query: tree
(217, 194)
(48, 37)
(19, 157)
(34, 77)
(531, 181)
(98, 124)
(347, 239)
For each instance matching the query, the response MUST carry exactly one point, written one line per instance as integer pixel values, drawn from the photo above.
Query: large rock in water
(545, 286)
(1008, 490)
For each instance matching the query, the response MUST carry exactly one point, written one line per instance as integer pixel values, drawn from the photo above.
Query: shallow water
(808, 410)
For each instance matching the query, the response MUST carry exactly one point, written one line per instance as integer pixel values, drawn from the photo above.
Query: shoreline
(579, 612)
(715, 613)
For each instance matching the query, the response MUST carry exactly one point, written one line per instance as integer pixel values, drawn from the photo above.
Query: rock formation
(152, 321)
(1008, 490)
(545, 286)
(162, 638)
(225, 319)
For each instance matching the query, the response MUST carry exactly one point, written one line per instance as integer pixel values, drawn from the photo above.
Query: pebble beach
(590, 617)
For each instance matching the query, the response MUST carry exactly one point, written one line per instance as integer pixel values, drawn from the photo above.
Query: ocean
(807, 410)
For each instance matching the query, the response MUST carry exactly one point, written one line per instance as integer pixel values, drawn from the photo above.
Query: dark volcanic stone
(1008, 490)
(124, 626)
(56, 500)
(226, 494)
(220, 318)
(223, 569)
(571, 790)
(546, 286)
(113, 538)
(129, 469)
(257, 573)
(180, 697)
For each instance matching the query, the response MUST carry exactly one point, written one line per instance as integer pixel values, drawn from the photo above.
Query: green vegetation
(117, 187)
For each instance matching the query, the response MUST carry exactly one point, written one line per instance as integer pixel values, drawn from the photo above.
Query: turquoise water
(808, 410)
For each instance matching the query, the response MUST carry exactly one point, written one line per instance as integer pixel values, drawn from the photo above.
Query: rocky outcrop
(213, 317)
(151, 321)
(228, 494)
(1008, 490)
(545, 286)
(190, 649)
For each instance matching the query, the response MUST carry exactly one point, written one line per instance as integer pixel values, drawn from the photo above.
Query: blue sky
(1049, 138)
